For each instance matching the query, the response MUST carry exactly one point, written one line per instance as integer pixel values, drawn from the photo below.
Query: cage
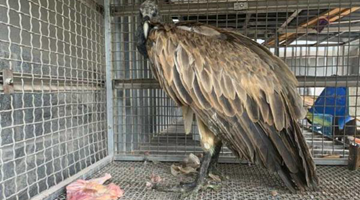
(78, 100)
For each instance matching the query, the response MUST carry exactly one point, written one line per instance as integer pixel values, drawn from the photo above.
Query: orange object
(93, 189)
(357, 140)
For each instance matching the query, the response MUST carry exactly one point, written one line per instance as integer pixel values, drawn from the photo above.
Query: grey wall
(48, 135)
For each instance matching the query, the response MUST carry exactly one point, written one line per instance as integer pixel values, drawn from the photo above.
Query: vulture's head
(149, 11)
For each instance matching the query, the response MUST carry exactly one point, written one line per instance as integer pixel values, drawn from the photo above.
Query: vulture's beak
(146, 26)
(145, 19)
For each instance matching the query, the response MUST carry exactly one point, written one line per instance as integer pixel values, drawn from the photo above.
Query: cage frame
(112, 84)
(251, 7)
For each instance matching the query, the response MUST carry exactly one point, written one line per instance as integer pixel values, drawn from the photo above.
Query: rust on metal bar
(354, 157)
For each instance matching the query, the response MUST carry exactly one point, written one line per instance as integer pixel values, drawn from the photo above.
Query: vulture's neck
(141, 40)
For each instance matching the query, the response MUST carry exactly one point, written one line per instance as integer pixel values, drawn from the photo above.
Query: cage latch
(241, 5)
(7, 81)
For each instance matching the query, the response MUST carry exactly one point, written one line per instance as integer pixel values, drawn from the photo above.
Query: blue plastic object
(332, 101)
(321, 123)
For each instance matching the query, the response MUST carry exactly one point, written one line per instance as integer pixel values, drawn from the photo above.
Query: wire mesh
(244, 182)
(319, 40)
(54, 123)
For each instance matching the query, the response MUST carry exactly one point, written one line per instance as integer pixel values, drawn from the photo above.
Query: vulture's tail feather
(286, 178)
(306, 177)
(307, 160)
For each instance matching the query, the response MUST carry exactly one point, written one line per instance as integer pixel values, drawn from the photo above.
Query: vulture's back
(243, 93)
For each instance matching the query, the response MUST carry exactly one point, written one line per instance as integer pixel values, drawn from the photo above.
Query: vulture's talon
(215, 171)
(188, 185)
(190, 190)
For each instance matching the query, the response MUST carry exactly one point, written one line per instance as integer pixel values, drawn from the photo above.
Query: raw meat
(93, 189)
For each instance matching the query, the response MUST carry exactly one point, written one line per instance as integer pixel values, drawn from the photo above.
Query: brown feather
(245, 94)
(199, 63)
(265, 109)
(168, 73)
(214, 102)
(277, 110)
(227, 86)
(200, 97)
(204, 30)
(236, 105)
(217, 88)
(241, 93)
(159, 43)
(184, 95)
(171, 47)
(206, 80)
(252, 109)
(188, 116)
(226, 106)
(279, 140)
(183, 58)
(188, 77)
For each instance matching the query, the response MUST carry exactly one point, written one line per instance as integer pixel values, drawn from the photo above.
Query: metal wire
(245, 182)
(54, 123)
(320, 55)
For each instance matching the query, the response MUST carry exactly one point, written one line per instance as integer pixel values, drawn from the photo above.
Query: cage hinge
(241, 5)
(7, 81)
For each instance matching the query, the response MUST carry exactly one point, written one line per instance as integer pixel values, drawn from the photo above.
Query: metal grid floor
(245, 182)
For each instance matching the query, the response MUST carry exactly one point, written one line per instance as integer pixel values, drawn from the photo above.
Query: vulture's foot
(188, 189)
(213, 168)
(191, 188)
(215, 171)
(194, 188)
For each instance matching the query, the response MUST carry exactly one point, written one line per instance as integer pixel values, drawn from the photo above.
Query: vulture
(240, 94)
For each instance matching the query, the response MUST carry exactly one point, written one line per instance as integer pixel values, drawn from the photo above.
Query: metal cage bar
(109, 77)
(75, 93)
(319, 41)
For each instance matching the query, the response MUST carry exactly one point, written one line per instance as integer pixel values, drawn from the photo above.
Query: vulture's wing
(240, 89)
